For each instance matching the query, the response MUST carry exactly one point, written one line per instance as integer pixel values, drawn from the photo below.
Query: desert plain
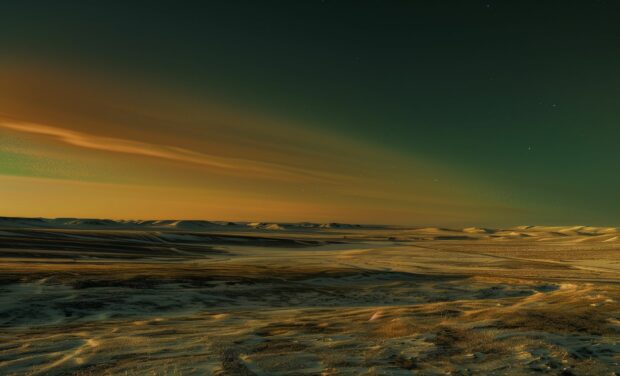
(103, 297)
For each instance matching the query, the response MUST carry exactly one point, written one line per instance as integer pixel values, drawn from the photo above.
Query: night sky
(448, 113)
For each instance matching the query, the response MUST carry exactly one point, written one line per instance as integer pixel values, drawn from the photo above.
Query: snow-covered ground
(307, 300)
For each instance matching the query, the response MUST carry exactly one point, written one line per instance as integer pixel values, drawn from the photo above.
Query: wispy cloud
(172, 153)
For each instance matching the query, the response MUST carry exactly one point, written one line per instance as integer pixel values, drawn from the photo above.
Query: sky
(450, 113)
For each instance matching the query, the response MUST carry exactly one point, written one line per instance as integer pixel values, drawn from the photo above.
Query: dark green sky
(524, 95)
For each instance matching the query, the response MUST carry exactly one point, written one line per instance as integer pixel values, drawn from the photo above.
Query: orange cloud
(172, 153)
(197, 158)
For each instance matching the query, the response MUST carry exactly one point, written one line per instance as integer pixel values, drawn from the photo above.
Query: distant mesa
(224, 223)
(478, 230)
(572, 234)
(192, 225)
(339, 225)
(22, 222)
(94, 222)
(168, 224)
(265, 226)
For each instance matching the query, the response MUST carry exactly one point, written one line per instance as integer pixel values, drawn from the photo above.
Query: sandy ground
(314, 301)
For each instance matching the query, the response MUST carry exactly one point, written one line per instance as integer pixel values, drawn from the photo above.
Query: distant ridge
(571, 234)
(183, 225)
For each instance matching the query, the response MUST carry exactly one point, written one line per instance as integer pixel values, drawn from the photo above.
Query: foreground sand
(333, 301)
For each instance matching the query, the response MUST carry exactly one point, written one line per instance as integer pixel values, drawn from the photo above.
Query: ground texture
(315, 301)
